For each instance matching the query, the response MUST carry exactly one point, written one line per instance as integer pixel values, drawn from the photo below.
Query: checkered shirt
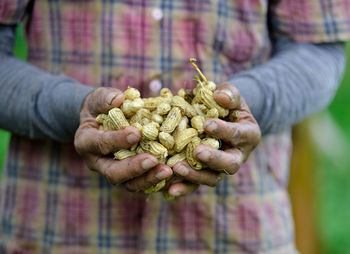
(50, 202)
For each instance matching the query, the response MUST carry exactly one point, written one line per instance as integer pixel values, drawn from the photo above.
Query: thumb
(103, 99)
(228, 96)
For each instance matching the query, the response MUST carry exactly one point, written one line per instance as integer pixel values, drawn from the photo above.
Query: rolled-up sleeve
(313, 21)
(13, 11)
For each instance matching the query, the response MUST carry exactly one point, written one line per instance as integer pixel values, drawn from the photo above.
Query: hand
(239, 140)
(94, 145)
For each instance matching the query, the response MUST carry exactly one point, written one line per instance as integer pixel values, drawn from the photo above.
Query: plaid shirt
(51, 203)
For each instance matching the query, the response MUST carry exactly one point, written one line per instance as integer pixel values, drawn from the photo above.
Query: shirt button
(157, 14)
(155, 86)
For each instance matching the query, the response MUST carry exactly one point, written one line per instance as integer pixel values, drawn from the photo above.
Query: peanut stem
(192, 61)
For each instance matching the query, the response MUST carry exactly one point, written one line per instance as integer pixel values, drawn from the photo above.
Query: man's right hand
(95, 146)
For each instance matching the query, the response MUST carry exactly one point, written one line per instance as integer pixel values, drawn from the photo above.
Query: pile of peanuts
(171, 125)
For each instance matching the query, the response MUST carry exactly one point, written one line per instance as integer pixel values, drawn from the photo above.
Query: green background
(332, 171)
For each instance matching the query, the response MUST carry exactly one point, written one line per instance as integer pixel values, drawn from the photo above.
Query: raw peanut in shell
(183, 138)
(183, 125)
(100, 118)
(211, 86)
(205, 94)
(136, 105)
(211, 142)
(157, 118)
(176, 158)
(127, 108)
(145, 121)
(180, 102)
(194, 163)
(152, 103)
(139, 150)
(123, 154)
(118, 118)
(234, 116)
(197, 122)
(108, 124)
(207, 98)
(150, 131)
(140, 114)
(172, 120)
(154, 148)
(155, 188)
(133, 148)
(181, 93)
(163, 108)
(166, 93)
(131, 93)
(166, 140)
(171, 152)
(212, 113)
(138, 126)
(200, 109)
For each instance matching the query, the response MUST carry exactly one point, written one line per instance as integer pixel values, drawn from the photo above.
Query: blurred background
(320, 172)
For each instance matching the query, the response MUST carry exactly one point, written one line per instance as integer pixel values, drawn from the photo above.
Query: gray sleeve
(34, 103)
(300, 79)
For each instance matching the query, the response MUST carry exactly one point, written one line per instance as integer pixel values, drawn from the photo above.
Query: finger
(182, 189)
(228, 96)
(243, 132)
(104, 142)
(204, 177)
(103, 99)
(152, 177)
(117, 172)
(228, 161)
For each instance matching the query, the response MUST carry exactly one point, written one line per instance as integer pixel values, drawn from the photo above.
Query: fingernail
(176, 193)
(162, 175)
(132, 138)
(204, 156)
(182, 170)
(113, 96)
(148, 164)
(210, 125)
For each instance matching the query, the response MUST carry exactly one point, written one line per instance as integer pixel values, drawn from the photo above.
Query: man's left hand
(239, 140)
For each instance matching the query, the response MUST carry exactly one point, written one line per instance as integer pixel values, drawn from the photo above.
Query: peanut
(123, 154)
(194, 163)
(166, 140)
(176, 158)
(118, 118)
(131, 93)
(184, 138)
(150, 131)
(172, 120)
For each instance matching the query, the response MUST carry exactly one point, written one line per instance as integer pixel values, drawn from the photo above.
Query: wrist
(67, 100)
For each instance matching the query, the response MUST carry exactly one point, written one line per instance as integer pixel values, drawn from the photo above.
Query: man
(265, 55)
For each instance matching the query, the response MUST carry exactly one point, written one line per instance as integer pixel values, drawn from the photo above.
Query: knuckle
(102, 148)
(134, 167)
(110, 178)
(257, 136)
(213, 179)
(212, 183)
(149, 180)
(233, 168)
(102, 144)
(79, 143)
